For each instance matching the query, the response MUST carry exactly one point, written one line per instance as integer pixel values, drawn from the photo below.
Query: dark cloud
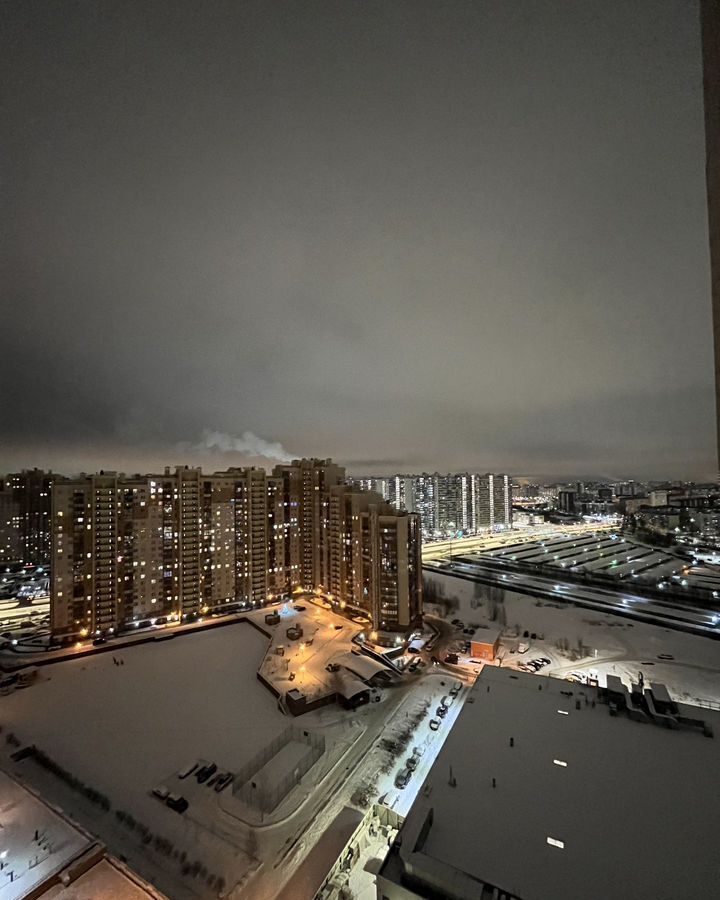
(408, 235)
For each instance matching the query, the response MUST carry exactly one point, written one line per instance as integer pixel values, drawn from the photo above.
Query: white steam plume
(248, 443)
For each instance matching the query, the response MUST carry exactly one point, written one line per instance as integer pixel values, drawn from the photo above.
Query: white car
(161, 792)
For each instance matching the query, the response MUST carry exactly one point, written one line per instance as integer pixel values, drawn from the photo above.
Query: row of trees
(194, 869)
(163, 846)
(72, 781)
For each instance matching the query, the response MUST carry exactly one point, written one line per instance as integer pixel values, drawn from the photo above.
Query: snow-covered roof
(348, 686)
(486, 636)
(363, 666)
(41, 847)
(23, 816)
(540, 792)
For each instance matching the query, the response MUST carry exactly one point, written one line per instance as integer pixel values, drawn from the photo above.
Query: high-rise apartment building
(255, 523)
(178, 544)
(374, 559)
(494, 501)
(11, 546)
(425, 501)
(126, 549)
(567, 500)
(454, 504)
(25, 504)
(400, 492)
(305, 486)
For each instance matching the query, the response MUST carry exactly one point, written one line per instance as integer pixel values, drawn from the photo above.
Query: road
(285, 845)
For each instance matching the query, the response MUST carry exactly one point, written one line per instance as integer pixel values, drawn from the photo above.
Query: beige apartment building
(179, 545)
(306, 485)
(126, 549)
(373, 558)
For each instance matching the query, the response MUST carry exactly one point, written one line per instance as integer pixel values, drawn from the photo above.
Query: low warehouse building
(485, 645)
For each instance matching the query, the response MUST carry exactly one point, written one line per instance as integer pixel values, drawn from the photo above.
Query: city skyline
(201, 216)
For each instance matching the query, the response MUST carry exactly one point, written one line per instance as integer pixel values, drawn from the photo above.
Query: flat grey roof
(633, 805)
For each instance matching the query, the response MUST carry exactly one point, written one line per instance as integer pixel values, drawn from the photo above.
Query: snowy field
(579, 640)
(124, 729)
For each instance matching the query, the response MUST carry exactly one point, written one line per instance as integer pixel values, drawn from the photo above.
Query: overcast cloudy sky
(407, 235)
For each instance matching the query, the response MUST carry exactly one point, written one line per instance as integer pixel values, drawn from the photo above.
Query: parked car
(224, 781)
(455, 622)
(544, 660)
(434, 724)
(447, 701)
(452, 658)
(455, 689)
(402, 778)
(665, 656)
(441, 711)
(161, 792)
(203, 774)
(176, 802)
(418, 751)
(411, 763)
(188, 770)
(300, 608)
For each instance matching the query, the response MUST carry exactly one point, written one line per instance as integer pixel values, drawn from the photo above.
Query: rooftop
(52, 857)
(540, 792)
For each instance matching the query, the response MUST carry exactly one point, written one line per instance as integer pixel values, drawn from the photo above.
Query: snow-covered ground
(125, 729)
(578, 640)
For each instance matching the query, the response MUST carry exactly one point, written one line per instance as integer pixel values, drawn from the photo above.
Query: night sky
(406, 235)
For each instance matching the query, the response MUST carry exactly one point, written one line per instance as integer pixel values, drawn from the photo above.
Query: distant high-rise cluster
(184, 543)
(25, 517)
(449, 505)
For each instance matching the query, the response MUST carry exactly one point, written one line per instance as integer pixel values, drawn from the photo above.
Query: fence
(263, 796)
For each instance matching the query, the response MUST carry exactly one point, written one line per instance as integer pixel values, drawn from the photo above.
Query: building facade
(25, 507)
(175, 545)
(305, 491)
(373, 560)
(453, 504)
(182, 544)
